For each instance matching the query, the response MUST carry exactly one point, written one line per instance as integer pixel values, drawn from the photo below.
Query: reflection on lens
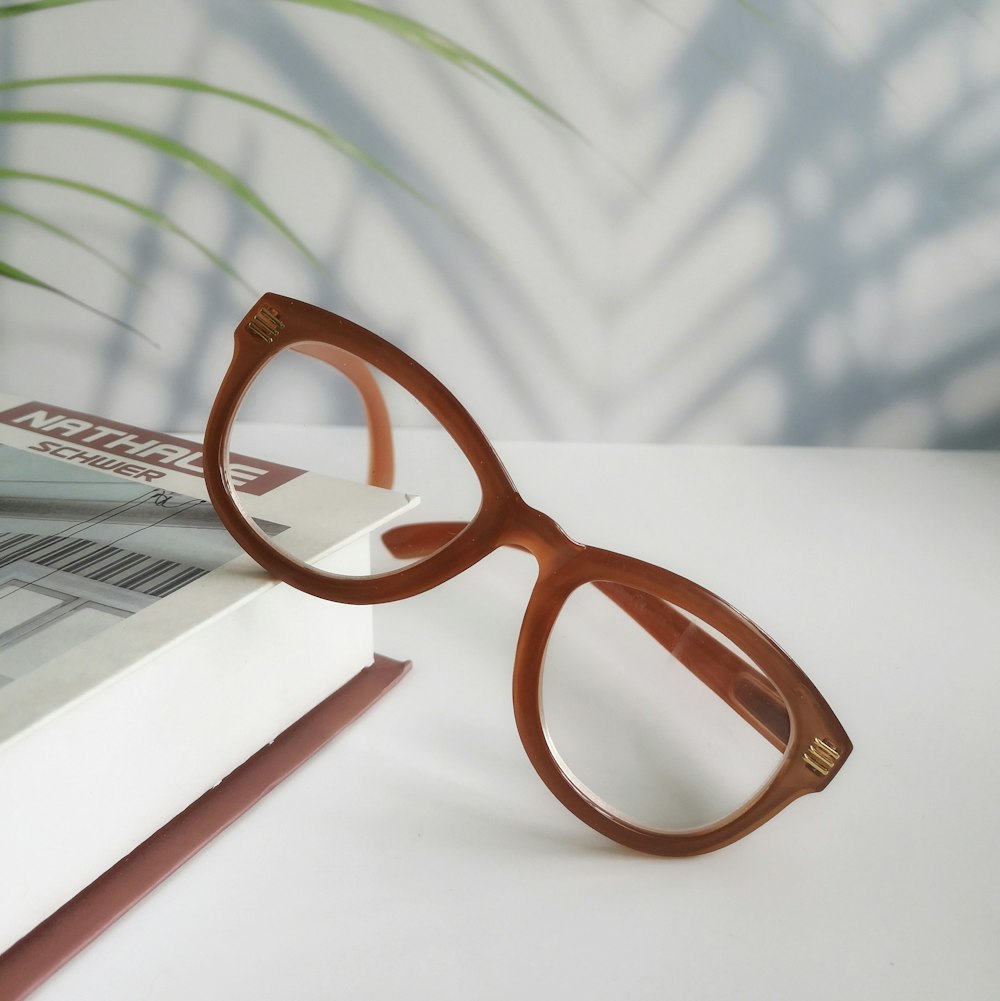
(299, 405)
(634, 725)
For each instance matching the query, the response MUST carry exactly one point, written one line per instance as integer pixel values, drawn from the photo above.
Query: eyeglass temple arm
(726, 673)
(747, 691)
(380, 454)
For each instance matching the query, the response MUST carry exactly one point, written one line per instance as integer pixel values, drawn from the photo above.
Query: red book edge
(34, 958)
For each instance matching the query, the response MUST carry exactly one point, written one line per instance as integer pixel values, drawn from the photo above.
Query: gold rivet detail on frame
(266, 324)
(822, 757)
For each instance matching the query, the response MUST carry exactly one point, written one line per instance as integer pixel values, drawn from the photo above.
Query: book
(143, 657)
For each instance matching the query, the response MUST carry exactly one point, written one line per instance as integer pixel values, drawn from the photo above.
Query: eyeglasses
(651, 708)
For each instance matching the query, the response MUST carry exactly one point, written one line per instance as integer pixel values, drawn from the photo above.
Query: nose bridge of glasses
(535, 532)
(525, 528)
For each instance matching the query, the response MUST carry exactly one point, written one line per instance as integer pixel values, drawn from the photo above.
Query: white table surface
(419, 856)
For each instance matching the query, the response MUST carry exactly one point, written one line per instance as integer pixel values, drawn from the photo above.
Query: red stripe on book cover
(124, 449)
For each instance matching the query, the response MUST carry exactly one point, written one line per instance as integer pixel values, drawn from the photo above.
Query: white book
(143, 657)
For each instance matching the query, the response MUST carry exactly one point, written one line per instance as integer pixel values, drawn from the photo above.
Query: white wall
(779, 221)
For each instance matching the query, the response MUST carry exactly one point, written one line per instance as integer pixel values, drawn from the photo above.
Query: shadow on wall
(880, 197)
(879, 256)
(810, 255)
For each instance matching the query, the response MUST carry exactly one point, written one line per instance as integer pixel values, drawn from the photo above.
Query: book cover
(143, 657)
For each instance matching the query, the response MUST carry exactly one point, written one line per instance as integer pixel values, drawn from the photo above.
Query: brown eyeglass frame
(778, 700)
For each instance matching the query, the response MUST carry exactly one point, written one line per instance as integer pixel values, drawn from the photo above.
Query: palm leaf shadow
(830, 275)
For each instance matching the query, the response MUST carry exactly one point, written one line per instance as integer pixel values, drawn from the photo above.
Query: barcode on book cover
(80, 550)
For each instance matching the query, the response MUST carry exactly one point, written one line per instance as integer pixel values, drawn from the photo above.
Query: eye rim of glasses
(810, 716)
(811, 720)
(302, 323)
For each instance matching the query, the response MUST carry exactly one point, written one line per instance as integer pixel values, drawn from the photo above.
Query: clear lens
(638, 730)
(303, 412)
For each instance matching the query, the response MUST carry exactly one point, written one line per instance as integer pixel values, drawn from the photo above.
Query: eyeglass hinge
(822, 757)
(266, 324)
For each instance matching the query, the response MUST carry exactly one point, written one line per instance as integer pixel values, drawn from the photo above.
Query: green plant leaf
(404, 28)
(172, 148)
(14, 9)
(328, 136)
(440, 45)
(16, 274)
(144, 211)
(51, 227)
